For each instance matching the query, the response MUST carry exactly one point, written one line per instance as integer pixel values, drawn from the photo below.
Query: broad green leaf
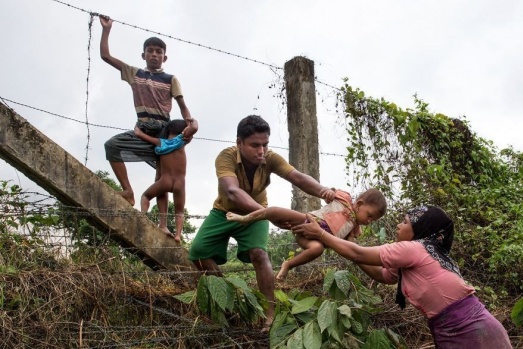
(336, 293)
(345, 310)
(356, 326)
(326, 315)
(377, 340)
(202, 295)
(218, 291)
(296, 340)
(187, 297)
(280, 319)
(255, 307)
(311, 335)
(517, 313)
(217, 315)
(246, 312)
(364, 295)
(278, 335)
(328, 280)
(233, 293)
(302, 295)
(239, 283)
(336, 331)
(281, 296)
(342, 280)
(306, 317)
(304, 305)
(345, 321)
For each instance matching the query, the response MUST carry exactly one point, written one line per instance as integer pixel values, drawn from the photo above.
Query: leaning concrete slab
(60, 174)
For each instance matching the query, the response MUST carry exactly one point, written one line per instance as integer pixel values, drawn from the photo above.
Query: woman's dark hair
(154, 41)
(175, 127)
(431, 222)
(250, 125)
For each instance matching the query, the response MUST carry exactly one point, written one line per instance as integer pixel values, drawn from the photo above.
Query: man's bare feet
(234, 217)
(178, 237)
(127, 195)
(282, 274)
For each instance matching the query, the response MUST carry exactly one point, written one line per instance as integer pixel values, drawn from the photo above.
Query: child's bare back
(171, 168)
(174, 164)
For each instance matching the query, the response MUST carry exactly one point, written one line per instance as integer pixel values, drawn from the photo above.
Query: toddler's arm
(328, 194)
(190, 130)
(145, 137)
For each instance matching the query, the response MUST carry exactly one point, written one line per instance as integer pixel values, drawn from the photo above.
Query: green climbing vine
(417, 156)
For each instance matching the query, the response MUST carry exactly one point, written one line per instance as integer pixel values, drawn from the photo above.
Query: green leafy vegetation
(413, 155)
(417, 156)
(517, 313)
(339, 320)
(223, 298)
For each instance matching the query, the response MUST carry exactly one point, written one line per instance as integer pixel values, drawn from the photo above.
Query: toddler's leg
(160, 188)
(144, 203)
(178, 222)
(255, 216)
(179, 206)
(163, 201)
(277, 215)
(312, 249)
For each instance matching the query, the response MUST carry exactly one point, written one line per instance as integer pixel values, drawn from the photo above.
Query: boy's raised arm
(107, 23)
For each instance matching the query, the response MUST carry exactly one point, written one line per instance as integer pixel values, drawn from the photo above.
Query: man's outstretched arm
(310, 185)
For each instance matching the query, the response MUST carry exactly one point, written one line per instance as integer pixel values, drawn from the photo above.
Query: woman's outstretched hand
(311, 230)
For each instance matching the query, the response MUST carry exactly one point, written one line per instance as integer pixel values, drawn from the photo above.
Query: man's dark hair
(154, 41)
(175, 127)
(250, 125)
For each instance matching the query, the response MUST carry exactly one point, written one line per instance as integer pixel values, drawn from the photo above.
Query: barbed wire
(172, 37)
(90, 31)
(123, 129)
(326, 84)
(86, 122)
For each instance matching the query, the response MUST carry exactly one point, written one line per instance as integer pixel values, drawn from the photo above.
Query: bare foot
(178, 238)
(167, 232)
(234, 217)
(127, 195)
(267, 325)
(282, 274)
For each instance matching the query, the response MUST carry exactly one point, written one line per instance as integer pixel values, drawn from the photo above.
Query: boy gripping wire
(173, 165)
(153, 92)
(341, 218)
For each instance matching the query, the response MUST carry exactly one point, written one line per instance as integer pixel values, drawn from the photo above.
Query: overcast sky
(462, 57)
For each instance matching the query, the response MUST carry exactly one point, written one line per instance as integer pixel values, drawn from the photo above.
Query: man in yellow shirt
(243, 173)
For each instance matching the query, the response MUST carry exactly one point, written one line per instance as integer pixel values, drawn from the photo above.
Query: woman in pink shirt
(419, 263)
